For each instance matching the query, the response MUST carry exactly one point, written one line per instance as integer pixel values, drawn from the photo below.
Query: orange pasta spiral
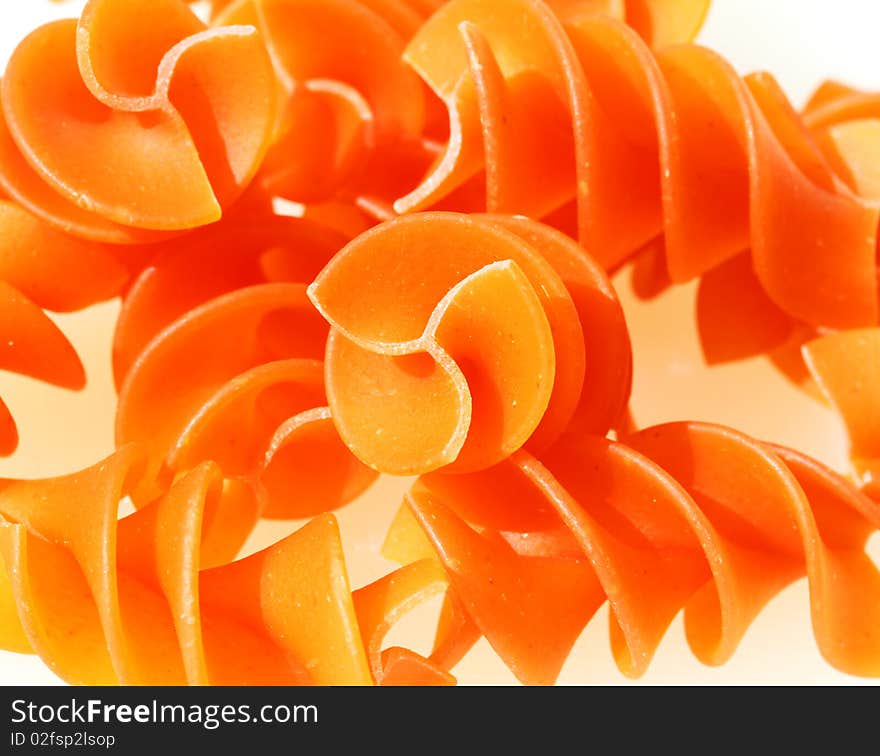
(684, 515)
(633, 143)
(501, 328)
(229, 367)
(153, 599)
(354, 116)
(43, 268)
(465, 176)
(155, 99)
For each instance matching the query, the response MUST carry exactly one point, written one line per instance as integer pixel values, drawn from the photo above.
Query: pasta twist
(735, 316)
(354, 117)
(152, 598)
(684, 515)
(503, 329)
(229, 368)
(43, 268)
(846, 125)
(486, 344)
(633, 143)
(845, 366)
(155, 99)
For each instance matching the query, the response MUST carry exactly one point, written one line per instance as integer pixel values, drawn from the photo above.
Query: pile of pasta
(465, 177)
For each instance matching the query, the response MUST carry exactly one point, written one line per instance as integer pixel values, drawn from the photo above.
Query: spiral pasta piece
(153, 598)
(186, 272)
(356, 123)
(483, 321)
(42, 269)
(353, 114)
(634, 143)
(238, 380)
(735, 316)
(844, 122)
(680, 515)
(486, 344)
(174, 119)
(845, 366)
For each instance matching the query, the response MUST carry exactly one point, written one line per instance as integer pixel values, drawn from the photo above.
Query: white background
(800, 42)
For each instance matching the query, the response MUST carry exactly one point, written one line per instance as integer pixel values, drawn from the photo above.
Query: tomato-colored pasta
(155, 99)
(153, 598)
(41, 268)
(684, 515)
(354, 117)
(845, 365)
(190, 397)
(634, 143)
(486, 323)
